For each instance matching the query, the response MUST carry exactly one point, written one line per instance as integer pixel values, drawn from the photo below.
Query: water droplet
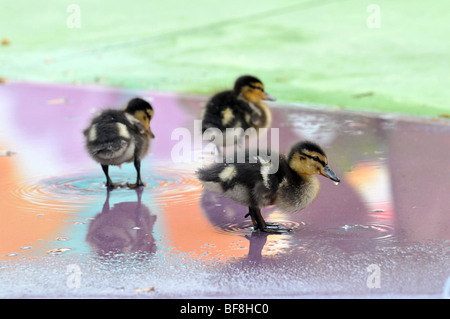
(58, 251)
(62, 238)
(336, 183)
(346, 227)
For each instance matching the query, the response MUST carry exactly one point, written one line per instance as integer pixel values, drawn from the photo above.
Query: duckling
(291, 188)
(115, 137)
(241, 107)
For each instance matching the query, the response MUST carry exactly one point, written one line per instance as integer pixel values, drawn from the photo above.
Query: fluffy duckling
(115, 137)
(291, 188)
(241, 107)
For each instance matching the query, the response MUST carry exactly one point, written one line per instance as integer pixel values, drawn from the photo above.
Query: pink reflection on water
(43, 124)
(391, 204)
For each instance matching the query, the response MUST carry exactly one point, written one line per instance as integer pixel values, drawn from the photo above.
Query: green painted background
(304, 51)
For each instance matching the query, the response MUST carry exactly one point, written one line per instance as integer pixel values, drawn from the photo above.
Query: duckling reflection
(257, 242)
(226, 215)
(126, 227)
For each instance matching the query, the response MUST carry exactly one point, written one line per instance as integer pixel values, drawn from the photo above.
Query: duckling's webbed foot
(137, 185)
(274, 228)
(260, 224)
(112, 185)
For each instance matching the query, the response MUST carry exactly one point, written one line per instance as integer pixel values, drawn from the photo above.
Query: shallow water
(59, 222)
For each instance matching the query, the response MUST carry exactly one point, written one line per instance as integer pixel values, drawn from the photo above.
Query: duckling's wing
(249, 182)
(108, 137)
(231, 180)
(107, 150)
(223, 111)
(134, 125)
(212, 116)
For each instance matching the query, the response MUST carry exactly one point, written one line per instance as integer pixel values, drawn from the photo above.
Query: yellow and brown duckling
(241, 107)
(115, 137)
(292, 187)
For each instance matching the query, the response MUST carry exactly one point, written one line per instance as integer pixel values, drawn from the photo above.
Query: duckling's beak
(268, 97)
(151, 133)
(327, 172)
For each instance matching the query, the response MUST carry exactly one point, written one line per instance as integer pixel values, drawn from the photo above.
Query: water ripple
(79, 190)
(357, 232)
(246, 226)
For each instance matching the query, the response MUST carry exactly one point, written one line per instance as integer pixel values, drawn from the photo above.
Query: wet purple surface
(383, 232)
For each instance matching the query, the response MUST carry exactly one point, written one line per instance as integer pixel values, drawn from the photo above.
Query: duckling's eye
(256, 87)
(316, 158)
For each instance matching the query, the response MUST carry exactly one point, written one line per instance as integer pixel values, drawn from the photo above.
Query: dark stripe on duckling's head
(307, 148)
(245, 80)
(143, 111)
(252, 89)
(314, 157)
(138, 104)
(307, 158)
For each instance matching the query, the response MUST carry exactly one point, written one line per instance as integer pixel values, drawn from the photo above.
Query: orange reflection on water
(372, 182)
(23, 223)
(189, 231)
